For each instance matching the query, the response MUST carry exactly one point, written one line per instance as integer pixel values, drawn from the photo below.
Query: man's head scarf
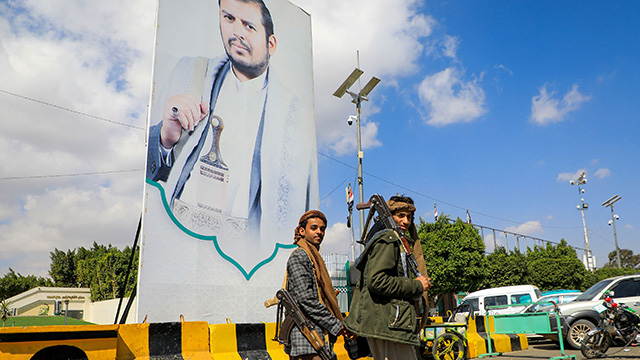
(306, 216)
(400, 206)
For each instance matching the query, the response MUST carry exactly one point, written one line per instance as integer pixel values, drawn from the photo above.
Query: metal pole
(66, 310)
(495, 243)
(506, 242)
(615, 236)
(360, 156)
(586, 239)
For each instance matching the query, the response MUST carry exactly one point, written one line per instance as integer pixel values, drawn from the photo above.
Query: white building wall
(104, 312)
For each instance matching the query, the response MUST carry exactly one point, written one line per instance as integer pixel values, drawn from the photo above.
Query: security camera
(610, 222)
(582, 191)
(350, 120)
(572, 182)
(617, 217)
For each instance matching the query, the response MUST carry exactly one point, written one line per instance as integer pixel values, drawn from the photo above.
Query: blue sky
(488, 106)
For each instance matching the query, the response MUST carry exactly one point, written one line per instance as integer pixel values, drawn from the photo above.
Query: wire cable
(67, 175)
(71, 110)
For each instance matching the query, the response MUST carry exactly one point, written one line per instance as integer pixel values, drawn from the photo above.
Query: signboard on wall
(231, 157)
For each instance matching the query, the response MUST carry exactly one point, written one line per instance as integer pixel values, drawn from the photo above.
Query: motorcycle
(617, 319)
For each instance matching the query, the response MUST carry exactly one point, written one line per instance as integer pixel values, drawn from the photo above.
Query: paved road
(545, 349)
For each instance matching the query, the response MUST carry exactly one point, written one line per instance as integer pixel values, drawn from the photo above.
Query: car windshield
(594, 290)
(469, 304)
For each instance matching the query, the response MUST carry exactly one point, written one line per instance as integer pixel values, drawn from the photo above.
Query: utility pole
(610, 203)
(582, 179)
(357, 98)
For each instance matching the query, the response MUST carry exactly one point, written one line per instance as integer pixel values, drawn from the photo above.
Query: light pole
(357, 98)
(582, 179)
(610, 203)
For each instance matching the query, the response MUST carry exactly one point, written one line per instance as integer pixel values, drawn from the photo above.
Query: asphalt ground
(546, 349)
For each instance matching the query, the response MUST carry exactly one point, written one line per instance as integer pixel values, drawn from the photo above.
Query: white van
(506, 295)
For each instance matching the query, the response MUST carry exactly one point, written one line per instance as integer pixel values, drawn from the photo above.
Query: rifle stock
(294, 316)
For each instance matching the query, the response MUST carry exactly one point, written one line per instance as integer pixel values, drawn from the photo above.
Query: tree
(555, 267)
(13, 283)
(5, 312)
(103, 269)
(506, 269)
(454, 254)
(63, 268)
(627, 259)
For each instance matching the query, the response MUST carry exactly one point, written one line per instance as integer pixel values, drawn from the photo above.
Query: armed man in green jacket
(382, 308)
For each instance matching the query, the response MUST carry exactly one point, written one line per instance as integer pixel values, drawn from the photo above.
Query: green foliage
(506, 269)
(454, 254)
(5, 312)
(103, 269)
(555, 267)
(13, 283)
(627, 259)
(63, 268)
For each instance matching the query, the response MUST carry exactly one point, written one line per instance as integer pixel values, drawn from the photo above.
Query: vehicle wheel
(595, 344)
(448, 346)
(577, 332)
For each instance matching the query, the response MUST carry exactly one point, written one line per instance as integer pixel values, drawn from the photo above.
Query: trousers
(388, 350)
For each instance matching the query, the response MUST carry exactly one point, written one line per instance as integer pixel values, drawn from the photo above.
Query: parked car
(559, 291)
(558, 298)
(505, 295)
(579, 316)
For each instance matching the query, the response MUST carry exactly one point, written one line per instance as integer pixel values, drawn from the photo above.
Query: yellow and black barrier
(478, 341)
(97, 342)
(253, 341)
(193, 340)
(159, 341)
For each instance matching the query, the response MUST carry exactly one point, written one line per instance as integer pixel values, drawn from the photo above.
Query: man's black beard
(250, 71)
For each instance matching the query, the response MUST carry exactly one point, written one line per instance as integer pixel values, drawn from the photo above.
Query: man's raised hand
(181, 112)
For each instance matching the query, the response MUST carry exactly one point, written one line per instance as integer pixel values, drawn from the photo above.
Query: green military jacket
(382, 304)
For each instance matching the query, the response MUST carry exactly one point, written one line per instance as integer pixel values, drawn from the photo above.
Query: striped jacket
(301, 284)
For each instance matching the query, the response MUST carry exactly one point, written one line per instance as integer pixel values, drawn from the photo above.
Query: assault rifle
(377, 204)
(294, 316)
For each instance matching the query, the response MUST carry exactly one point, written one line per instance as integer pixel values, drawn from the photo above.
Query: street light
(610, 203)
(582, 179)
(357, 99)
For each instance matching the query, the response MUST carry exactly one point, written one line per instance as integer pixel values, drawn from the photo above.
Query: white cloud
(65, 218)
(337, 239)
(546, 110)
(451, 100)
(505, 69)
(92, 58)
(529, 228)
(603, 173)
(570, 176)
(347, 141)
(628, 226)
(451, 46)
(390, 44)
